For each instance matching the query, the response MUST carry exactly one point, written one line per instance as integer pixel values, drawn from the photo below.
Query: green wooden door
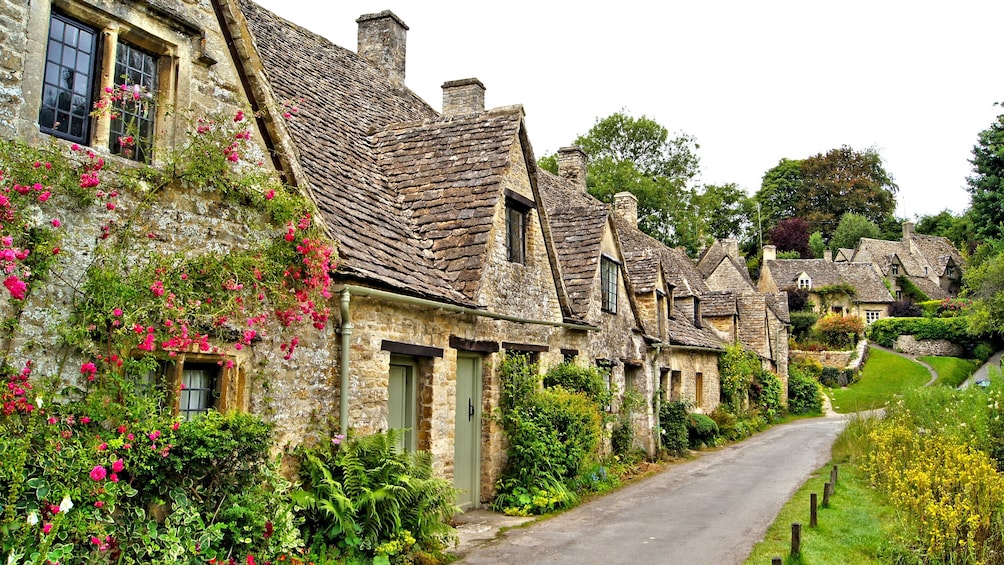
(467, 437)
(401, 407)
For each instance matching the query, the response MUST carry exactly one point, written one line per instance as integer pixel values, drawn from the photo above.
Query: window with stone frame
(515, 220)
(895, 269)
(609, 276)
(872, 316)
(74, 80)
(804, 282)
(193, 384)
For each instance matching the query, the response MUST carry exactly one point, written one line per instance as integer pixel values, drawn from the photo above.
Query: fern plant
(362, 494)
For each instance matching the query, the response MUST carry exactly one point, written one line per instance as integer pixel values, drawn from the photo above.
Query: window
(899, 295)
(72, 84)
(193, 384)
(872, 315)
(895, 269)
(608, 282)
(950, 271)
(515, 221)
(804, 282)
(925, 271)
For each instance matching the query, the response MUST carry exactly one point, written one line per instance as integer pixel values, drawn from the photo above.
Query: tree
(984, 285)
(958, 229)
(986, 185)
(792, 235)
(816, 244)
(822, 188)
(639, 156)
(851, 229)
(726, 211)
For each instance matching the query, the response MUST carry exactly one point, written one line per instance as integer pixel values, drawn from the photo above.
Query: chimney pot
(769, 252)
(572, 166)
(382, 39)
(465, 96)
(626, 206)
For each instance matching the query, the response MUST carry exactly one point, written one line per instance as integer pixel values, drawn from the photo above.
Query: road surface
(712, 509)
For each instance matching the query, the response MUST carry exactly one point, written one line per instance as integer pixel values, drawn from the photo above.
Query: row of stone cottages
(454, 247)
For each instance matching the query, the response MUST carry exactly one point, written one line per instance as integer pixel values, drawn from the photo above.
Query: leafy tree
(816, 244)
(821, 188)
(726, 211)
(792, 235)
(984, 285)
(986, 185)
(851, 229)
(958, 229)
(639, 156)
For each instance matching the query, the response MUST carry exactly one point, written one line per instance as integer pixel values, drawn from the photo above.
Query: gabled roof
(863, 277)
(938, 251)
(924, 259)
(446, 172)
(778, 303)
(678, 270)
(719, 303)
(577, 222)
(682, 332)
(717, 256)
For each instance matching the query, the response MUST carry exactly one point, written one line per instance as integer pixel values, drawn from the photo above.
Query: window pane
(68, 79)
(198, 387)
(132, 131)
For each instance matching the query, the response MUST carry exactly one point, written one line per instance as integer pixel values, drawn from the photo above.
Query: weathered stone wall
(13, 47)
(689, 362)
(941, 347)
(835, 359)
(726, 277)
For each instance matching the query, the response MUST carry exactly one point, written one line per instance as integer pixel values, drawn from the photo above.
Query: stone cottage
(827, 284)
(930, 263)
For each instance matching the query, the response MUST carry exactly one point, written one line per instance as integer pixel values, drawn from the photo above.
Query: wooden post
(833, 475)
(812, 510)
(796, 539)
(776, 561)
(826, 495)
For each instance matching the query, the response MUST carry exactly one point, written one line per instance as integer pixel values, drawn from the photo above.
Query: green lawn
(853, 529)
(884, 376)
(952, 371)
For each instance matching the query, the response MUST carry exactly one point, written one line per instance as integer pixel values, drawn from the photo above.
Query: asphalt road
(710, 510)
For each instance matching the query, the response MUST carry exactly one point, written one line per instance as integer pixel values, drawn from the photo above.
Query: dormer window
(804, 282)
(895, 269)
(950, 271)
(609, 275)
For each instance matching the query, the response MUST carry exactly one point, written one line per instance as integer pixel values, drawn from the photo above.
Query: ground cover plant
(883, 376)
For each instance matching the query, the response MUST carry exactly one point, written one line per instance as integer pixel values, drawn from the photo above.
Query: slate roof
(913, 254)
(678, 269)
(719, 304)
(778, 303)
(682, 332)
(577, 221)
(866, 281)
(715, 255)
(446, 172)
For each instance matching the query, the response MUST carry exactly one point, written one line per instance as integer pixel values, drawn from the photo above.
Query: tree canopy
(792, 235)
(986, 185)
(638, 155)
(851, 229)
(822, 188)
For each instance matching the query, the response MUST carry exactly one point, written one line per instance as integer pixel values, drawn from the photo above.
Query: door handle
(470, 410)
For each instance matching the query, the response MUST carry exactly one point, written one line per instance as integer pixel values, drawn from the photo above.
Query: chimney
(382, 39)
(626, 206)
(731, 247)
(465, 96)
(828, 255)
(769, 253)
(907, 230)
(572, 166)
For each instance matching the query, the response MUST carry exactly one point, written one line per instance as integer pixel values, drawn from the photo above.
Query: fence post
(833, 476)
(776, 561)
(812, 510)
(826, 495)
(796, 538)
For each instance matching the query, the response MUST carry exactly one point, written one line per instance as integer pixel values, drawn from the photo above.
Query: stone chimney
(626, 206)
(731, 247)
(572, 166)
(465, 96)
(907, 230)
(382, 39)
(828, 255)
(769, 253)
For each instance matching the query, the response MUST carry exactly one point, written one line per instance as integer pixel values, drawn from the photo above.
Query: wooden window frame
(609, 282)
(228, 386)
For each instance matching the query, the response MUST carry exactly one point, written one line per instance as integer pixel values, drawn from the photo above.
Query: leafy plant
(804, 392)
(673, 426)
(701, 431)
(838, 330)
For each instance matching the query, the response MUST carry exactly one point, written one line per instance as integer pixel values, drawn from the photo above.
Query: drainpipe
(346, 292)
(343, 382)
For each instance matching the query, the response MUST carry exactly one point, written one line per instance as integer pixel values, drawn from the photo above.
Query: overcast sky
(753, 82)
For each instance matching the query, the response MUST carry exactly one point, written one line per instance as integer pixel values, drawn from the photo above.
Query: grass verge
(952, 371)
(883, 376)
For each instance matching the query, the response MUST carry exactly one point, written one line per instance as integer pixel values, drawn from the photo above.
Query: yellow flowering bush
(952, 494)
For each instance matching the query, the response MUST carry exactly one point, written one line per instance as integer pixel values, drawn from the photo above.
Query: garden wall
(835, 359)
(941, 347)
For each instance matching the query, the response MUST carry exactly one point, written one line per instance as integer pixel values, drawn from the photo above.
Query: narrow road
(712, 509)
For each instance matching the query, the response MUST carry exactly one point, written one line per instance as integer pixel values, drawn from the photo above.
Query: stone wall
(835, 359)
(939, 347)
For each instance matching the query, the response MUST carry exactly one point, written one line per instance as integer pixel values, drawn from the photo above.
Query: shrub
(804, 394)
(798, 299)
(982, 351)
(885, 331)
(839, 331)
(701, 430)
(801, 324)
(765, 395)
(736, 369)
(622, 438)
(673, 426)
(587, 380)
(905, 308)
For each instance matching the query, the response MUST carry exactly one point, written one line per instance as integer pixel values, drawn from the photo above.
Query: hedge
(885, 331)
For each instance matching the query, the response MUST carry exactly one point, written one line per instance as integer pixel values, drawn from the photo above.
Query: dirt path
(712, 509)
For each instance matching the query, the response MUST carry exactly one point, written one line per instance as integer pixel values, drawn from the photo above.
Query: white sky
(753, 81)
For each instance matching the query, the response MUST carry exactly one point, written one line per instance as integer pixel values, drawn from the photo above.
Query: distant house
(931, 264)
(855, 289)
